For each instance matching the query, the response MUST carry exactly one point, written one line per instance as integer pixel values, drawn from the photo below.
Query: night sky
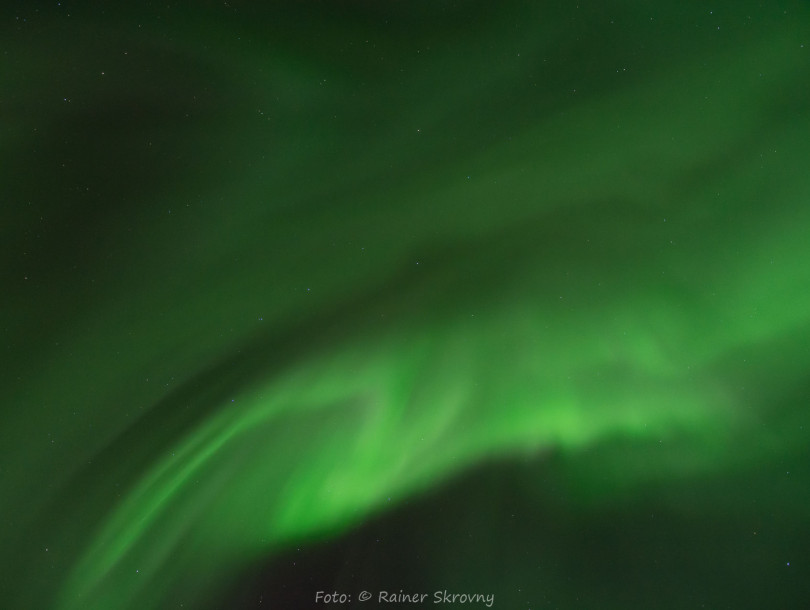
(509, 299)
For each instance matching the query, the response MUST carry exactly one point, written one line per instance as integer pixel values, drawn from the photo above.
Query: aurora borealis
(505, 300)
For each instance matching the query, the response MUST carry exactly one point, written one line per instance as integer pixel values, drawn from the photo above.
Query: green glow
(261, 291)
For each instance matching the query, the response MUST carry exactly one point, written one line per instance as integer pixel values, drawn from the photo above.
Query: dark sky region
(508, 300)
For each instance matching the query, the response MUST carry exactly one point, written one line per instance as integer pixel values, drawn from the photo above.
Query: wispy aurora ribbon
(331, 277)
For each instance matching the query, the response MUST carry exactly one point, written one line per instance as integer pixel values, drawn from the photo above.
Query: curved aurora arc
(241, 376)
(383, 417)
(223, 488)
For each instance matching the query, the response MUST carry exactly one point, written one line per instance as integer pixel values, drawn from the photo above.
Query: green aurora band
(270, 274)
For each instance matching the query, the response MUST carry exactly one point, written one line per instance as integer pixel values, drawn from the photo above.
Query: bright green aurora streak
(272, 273)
